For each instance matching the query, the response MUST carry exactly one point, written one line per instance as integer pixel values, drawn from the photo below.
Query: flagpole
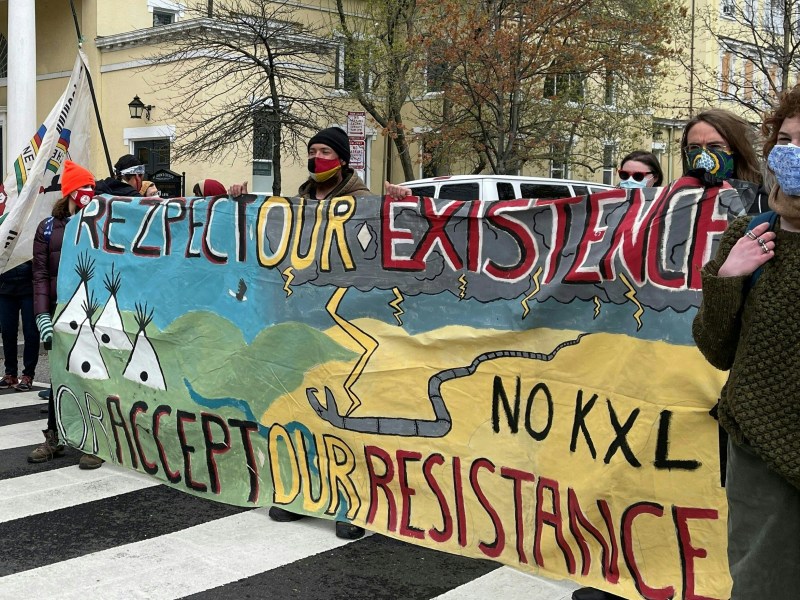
(91, 92)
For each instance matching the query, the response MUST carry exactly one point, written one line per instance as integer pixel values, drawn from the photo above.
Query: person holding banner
(721, 143)
(748, 323)
(329, 176)
(328, 166)
(640, 169)
(77, 190)
(129, 173)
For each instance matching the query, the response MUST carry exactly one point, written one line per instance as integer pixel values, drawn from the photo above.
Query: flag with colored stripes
(30, 190)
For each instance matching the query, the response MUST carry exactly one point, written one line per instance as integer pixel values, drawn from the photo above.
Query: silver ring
(751, 235)
(764, 248)
(761, 241)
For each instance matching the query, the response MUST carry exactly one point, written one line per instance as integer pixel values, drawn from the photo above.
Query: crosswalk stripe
(69, 486)
(21, 434)
(180, 563)
(510, 584)
(21, 399)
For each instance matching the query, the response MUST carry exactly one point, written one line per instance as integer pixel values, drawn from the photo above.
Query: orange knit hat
(74, 177)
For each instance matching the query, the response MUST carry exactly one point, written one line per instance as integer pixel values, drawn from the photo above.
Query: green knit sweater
(757, 336)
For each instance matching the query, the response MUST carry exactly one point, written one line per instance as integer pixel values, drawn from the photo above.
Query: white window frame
(610, 169)
(563, 167)
(727, 9)
(167, 6)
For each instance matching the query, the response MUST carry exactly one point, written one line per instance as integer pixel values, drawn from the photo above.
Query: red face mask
(322, 169)
(83, 197)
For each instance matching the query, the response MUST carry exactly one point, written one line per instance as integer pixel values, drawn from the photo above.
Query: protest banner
(512, 380)
(32, 187)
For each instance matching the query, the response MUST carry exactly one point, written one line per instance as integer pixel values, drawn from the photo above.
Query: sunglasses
(623, 175)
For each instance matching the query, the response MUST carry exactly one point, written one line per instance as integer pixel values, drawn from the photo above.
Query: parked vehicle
(501, 187)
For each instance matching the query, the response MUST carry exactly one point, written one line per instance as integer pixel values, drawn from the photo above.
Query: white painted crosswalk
(114, 533)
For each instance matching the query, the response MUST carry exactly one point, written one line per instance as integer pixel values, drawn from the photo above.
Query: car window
(459, 191)
(505, 191)
(544, 190)
(423, 190)
(579, 190)
(597, 190)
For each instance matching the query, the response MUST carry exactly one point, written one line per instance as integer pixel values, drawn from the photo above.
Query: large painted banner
(33, 185)
(513, 380)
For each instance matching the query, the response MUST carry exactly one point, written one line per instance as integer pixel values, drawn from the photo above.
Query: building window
(165, 12)
(748, 80)
(435, 71)
(351, 71)
(559, 167)
(726, 73)
(161, 17)
(608, 164)
(728, 8)
(569, 86)
(609, 89)
(3, 56)
(265, 132)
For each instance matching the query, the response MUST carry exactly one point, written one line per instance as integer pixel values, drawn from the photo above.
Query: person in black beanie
(329, 176)
(329, 171)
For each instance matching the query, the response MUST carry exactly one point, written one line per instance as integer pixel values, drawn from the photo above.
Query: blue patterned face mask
(785, 163)
(717, 161)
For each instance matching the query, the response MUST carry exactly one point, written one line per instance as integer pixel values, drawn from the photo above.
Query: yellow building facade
(120, 36)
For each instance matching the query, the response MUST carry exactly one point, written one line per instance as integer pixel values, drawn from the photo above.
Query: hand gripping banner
(513, 380)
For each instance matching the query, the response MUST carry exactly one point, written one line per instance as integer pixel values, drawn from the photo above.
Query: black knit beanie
(336, 138)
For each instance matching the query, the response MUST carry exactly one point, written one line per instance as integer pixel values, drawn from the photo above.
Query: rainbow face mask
(716, 161)
(322, 169)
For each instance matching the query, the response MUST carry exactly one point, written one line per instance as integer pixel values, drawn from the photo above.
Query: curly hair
(788, 106)
(739, 135)
(648, 158)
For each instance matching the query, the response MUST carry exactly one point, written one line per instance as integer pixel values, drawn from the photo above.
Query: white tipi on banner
(143, 365)
(84, 358)
(74, 312)
(32, 187)
(108, 328)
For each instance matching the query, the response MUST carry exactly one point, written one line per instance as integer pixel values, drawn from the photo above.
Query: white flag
(33, 186)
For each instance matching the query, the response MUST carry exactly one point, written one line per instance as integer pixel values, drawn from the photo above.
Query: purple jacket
(46, 254)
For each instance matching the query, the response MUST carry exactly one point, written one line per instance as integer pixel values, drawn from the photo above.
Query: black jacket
(115, 187)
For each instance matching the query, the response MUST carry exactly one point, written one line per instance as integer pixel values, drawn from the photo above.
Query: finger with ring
(764, 248)
(761, 241)
(751, 235)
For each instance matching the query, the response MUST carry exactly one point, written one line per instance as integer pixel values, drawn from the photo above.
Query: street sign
(356, 124)
(357, 154)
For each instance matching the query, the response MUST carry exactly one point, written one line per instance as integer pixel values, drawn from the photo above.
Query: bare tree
(380, 59)
(522, 81)
(250, 75)
(759, 53)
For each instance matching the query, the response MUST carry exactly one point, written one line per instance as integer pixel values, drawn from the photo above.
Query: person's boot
(90, 461)
(348, 531)
(51, 448)
(281, 515)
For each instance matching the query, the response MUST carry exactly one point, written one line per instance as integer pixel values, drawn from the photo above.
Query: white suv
(501, 187)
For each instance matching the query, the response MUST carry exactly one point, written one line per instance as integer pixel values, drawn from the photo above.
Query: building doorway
(153, 153)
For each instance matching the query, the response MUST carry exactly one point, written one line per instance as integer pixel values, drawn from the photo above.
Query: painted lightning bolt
(631, 295)
(462, 289)
(395, 304)
(596, 307)
(536, 288)
(288, 272)
(363, 339)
